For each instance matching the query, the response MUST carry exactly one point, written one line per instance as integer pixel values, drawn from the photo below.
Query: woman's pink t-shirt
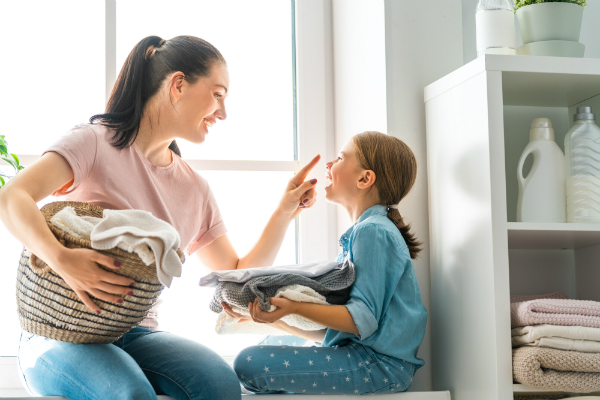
(125, 179)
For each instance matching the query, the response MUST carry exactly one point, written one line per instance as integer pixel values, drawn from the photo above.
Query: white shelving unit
(478, 121)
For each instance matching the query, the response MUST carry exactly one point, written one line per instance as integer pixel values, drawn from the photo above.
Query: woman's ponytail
(142, 75)
(395, 169)
(130, 93)
(414, 246)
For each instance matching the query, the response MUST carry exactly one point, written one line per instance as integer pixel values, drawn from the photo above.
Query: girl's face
(345, 176)
(201, 104)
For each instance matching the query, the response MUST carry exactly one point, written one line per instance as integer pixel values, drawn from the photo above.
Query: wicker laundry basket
(48, 307)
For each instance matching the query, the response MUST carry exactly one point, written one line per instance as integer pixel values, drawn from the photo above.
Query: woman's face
(344, 174)
(201, 104)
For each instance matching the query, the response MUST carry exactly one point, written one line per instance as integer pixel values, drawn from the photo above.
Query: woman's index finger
(301, 175)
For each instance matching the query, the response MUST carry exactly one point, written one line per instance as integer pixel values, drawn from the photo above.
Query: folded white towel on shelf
(82, 226)
(134, 228)
(226, 325)
(244, 275)
(575, 338)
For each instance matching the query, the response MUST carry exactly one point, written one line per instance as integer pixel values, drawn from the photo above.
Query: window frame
(314, 130)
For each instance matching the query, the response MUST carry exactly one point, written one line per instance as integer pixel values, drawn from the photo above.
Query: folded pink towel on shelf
(554, 295)
(555, 312)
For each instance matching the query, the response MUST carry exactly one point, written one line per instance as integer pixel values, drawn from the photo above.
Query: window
(277, 117)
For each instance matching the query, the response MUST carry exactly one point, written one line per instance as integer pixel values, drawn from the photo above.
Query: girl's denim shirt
(385, 301)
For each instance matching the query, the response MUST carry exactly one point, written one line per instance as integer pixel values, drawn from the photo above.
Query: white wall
(423, 43)
(359, 74)
(385, 53)
(590, 30)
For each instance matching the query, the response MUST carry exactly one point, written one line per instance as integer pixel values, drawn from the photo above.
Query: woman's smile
(208, 123)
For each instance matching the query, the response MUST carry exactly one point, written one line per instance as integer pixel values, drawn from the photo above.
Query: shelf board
(530, 80)
(519, 388)
(535, 235)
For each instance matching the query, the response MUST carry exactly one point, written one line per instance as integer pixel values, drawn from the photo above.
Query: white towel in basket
(82, 226)
(136, 227)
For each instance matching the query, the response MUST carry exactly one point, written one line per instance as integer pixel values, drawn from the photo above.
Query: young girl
(371, 343)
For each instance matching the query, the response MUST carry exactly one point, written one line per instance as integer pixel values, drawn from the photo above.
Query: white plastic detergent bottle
(542, 193)
(582, 151)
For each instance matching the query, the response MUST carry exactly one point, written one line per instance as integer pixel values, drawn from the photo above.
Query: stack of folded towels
(319, 283)
(556, 342)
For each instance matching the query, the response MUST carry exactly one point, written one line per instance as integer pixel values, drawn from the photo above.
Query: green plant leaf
(3, 150)
(11, 162)
(1, 182)
(15, 157)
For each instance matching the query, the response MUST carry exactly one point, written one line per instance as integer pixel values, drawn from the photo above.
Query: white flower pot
(550, 21)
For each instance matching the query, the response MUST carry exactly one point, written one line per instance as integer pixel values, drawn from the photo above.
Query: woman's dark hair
(143, 72)
(395, 168)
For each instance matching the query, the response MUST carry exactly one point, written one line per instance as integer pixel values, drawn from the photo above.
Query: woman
(127, 158)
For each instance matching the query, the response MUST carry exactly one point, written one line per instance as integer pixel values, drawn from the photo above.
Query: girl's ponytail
(141, 76)
(414, 246)
(395, 169)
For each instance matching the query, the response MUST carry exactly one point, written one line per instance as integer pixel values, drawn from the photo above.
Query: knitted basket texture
(48, 307)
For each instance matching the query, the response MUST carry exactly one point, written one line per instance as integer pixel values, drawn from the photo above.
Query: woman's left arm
(220, 254)
(331, 316)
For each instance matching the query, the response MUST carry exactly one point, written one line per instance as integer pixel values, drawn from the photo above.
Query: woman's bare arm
(21, 216)
(18, 208)
(220, 254)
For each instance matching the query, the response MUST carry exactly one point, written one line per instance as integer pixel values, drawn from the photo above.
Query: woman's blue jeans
(140, 365)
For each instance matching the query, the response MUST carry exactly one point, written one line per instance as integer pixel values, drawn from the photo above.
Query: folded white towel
(136, 227)
(576, 338)
(82, 226)
(227, 325)
(244, 275)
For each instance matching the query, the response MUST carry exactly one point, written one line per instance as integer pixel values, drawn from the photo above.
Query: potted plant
(10, 158)
(552, 27)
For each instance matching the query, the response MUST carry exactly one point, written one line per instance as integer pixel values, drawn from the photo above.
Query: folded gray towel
(334, 285)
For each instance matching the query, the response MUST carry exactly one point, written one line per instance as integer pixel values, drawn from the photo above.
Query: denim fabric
(352, 369)
(285, 340)
(140, 365)
(385, 301)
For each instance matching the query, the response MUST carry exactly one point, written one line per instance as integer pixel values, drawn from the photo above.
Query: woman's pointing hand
(300, 194)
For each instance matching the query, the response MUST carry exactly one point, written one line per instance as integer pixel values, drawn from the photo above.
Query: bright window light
(52, 69)
(246, 201)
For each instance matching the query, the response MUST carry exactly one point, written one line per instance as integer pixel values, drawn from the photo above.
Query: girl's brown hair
(395, 168)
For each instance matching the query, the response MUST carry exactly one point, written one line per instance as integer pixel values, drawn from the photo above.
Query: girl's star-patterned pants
(348, 369)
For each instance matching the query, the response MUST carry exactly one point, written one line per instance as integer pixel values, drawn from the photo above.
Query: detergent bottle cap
(541, 129)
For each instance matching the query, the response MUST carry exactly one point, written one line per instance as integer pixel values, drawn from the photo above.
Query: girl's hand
(298, 193)
(233, 315)
(79, 268)
(284, 307)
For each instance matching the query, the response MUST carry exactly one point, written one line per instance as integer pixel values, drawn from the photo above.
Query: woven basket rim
(50, 209)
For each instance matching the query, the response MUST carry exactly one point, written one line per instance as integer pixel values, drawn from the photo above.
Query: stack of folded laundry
(556, 342)
(320, 283)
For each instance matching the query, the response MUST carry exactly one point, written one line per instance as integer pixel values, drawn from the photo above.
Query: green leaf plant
(523, 3)
(10, 158)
